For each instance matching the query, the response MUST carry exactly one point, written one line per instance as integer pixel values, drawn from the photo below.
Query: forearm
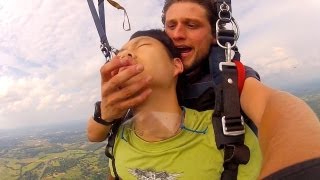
(96, 132)
(289, 132)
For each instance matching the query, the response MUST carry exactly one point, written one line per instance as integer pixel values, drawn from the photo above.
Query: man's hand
(121, 87)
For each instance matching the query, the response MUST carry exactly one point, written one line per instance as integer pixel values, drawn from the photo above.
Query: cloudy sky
(50, 57)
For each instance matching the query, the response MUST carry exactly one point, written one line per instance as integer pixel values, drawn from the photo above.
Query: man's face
(188, 26)
(153, 55)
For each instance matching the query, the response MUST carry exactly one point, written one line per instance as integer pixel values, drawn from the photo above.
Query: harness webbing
(99, 21)
(110, 145)
(111, 141)
(229, 123)
(107, 50)
(229, 126)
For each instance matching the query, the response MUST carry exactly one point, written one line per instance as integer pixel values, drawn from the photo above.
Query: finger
(113, 65)
(114, 107)
(123, 76)
(115, 72)
(130, 90)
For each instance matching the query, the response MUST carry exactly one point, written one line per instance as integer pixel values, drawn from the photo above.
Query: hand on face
(122, 87)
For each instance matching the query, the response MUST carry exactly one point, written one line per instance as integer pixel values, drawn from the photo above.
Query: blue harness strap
(99, 21)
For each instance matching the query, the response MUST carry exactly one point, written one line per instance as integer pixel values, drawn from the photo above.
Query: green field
(68, 159)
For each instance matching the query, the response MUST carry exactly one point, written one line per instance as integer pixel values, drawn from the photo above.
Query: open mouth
(184, 50)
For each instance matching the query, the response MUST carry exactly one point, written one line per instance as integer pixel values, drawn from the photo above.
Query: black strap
(110, 145)
(229, 125)
(111, 141)
(227, 120)
(233, 156)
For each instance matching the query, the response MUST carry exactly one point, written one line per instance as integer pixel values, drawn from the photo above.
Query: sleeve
(309, 169)
(252, 73)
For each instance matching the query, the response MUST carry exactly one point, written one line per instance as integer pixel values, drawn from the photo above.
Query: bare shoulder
(254, 97)
(253, 86)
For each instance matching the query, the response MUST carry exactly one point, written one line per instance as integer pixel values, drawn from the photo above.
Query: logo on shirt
(153, 175)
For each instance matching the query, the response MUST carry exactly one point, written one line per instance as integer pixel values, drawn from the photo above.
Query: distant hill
(310, 93)
(51, 153)
(313, 100)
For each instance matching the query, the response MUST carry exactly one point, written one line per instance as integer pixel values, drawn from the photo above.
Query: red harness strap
(241, 75)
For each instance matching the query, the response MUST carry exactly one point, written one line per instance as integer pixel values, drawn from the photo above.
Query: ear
(178, 66)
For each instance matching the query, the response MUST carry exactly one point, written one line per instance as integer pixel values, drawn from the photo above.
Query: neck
(159, 117)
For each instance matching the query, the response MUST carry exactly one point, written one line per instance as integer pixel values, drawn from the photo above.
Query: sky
(50, 56)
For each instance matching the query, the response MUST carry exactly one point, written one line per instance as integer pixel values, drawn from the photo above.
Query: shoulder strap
(110, 144)
(111, 140)
(228, 122)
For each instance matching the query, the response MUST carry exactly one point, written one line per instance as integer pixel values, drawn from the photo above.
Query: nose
(126, 54)
(178, 33)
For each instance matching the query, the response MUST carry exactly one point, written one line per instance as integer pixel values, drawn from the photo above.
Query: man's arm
(96, 132)
(289, 131)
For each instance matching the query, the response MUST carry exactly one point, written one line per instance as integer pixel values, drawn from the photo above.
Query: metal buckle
(226, 64)
(105, 50)
(223, 21)
(231, 133)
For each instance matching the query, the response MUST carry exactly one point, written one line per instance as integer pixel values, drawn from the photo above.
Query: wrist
(97, 116)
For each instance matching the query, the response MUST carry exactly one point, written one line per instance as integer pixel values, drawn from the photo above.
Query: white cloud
(5, 83)
(280, 40)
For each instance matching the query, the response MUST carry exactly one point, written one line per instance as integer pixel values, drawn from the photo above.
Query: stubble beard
(196, 64)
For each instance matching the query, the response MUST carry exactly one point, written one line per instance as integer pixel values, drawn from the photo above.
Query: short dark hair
(208, 5)
(161, 36)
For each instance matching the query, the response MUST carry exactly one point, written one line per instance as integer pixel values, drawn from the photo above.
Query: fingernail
(123, 61)
(148, 79)
(149, 91)
(139, 68)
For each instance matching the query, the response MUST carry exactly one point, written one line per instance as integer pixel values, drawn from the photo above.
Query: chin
(187, 65)
(190, 67)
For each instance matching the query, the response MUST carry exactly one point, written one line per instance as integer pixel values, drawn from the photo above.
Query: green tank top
(191, 154)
